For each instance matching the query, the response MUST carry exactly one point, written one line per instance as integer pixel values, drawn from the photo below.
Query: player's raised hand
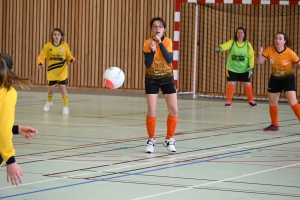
(260, 50)
(40, 66)
(157, 39)
(153, 45)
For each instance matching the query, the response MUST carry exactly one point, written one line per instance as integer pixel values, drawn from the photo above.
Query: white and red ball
(113, 77)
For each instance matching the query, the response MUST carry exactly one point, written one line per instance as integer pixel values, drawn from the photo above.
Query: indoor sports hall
(97, 151)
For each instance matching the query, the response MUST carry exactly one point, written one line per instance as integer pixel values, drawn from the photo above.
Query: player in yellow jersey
(239, 65)
(282, 77)
(8, 99)
(58, 55)
(158, 54)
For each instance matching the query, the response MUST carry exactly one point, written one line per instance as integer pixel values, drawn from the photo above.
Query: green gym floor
(98, 150)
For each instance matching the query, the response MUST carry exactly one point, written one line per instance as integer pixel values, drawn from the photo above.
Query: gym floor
(98, 150)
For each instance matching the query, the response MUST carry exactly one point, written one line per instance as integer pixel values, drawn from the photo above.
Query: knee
(173, 112)
(51, 89)
(231, 83)
(151, 113)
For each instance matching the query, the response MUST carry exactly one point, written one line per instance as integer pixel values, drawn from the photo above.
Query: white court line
(214, 182)
(235, 148)
(64, 161)
(212, 152)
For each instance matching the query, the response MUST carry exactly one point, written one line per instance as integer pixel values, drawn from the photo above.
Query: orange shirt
(159, 68)
(281, 62)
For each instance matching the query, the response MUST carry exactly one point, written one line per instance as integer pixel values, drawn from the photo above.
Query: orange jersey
(282, 63)
(159, 68)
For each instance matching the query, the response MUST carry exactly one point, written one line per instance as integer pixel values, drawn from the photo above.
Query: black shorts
(57, 82)
(243, 77)
(166, 85)
(285, 84)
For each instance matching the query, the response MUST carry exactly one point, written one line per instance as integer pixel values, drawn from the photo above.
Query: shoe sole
(149, 152)
(270, 130)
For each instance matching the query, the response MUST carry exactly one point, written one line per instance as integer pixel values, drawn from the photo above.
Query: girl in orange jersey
(282, 77)
(58, 55)
(158, 54)
(8, 99)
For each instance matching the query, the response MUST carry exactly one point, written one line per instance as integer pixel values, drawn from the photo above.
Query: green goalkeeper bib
(238, 60)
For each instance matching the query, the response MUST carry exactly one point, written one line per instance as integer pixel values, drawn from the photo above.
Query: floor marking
(214, 182)
(154, 162)
(109, 178)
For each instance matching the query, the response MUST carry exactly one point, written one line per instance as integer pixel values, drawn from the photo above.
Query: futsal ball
(113, 77)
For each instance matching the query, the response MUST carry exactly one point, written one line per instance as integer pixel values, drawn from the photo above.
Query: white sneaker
(150, 145)
(170, 144)
(65, 110)
(47, 106)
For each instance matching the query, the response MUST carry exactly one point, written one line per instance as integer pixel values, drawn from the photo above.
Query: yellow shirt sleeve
(227, 45)
(251, 55)
(69, 55)
(8, 99)
(43, 55)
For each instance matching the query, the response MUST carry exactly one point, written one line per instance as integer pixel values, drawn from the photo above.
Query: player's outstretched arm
(26, 131)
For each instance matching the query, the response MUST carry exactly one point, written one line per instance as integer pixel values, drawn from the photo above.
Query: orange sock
(296, 109)
(229, 92)
(150, 124)
(171, 126)
(274, 115)
(248, 91)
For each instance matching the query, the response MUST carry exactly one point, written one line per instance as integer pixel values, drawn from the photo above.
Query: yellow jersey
(8, 100)
(58, 58)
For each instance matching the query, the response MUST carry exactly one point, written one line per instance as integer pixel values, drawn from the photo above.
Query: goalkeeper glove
(218, 49)
(250, 71)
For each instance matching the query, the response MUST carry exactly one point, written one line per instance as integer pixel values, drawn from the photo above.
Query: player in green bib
(239, 65)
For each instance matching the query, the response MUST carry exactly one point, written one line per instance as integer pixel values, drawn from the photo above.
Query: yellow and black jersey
(57, 59)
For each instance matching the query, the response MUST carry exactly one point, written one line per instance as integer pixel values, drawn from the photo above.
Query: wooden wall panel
(100, 33)
(104, 33)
